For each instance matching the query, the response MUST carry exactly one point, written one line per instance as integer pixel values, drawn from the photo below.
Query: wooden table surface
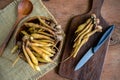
(63, 10)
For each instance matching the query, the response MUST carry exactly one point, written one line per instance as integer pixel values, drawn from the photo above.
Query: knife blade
(93, 50)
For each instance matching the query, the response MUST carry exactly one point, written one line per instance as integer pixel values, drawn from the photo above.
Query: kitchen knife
(93, 50)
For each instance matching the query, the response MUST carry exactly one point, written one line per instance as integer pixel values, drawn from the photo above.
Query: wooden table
(63, 10)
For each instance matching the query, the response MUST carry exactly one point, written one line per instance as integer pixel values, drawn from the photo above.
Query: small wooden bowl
(35, 20)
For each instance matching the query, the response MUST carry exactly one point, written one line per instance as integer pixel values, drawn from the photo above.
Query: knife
(93, 50)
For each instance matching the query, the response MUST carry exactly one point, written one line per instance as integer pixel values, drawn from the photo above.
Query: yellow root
(14, 49)
(15, 61)
(27, 57)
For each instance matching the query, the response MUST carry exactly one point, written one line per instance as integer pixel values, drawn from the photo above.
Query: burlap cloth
(21, 70)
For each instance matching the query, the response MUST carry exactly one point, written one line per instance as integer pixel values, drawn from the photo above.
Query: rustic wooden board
(92, 69)
(110, 14)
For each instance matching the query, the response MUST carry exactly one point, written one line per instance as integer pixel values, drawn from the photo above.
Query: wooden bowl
(59, 34)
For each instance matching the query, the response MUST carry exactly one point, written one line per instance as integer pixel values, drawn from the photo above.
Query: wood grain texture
(4, 3)
(93, 68)
(63, 10)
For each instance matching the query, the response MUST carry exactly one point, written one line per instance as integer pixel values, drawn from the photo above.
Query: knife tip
(75, 69)
(78, 67)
